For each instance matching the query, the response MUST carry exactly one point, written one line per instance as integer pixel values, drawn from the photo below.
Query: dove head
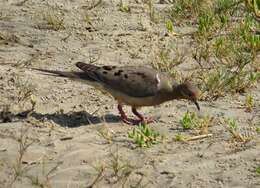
(190, 92)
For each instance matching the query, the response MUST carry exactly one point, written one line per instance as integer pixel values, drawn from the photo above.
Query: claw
(145, 121)
(141, 119)
(127, 121)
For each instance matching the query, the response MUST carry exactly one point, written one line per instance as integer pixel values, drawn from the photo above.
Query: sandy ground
(59, 143)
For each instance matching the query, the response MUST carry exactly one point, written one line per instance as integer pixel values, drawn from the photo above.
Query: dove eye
(190, 94)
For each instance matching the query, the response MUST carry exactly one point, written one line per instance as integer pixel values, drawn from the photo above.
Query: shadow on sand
(71, 119)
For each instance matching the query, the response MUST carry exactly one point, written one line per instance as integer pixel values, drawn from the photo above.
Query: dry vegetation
(58, 133)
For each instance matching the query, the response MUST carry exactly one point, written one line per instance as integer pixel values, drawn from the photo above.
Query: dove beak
(197, 104)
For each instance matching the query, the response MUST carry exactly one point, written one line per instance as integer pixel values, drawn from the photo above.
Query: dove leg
(123, 115)
(141, 117)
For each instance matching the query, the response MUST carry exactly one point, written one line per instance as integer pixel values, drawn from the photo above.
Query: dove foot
(128, 121)
(137, 121)
(124, 118)
(145, 121)
(142, 119)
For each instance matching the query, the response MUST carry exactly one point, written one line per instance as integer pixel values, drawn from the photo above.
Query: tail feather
(57, 73)
(72, 75)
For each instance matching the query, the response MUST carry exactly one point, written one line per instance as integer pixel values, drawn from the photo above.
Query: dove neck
(177, 91)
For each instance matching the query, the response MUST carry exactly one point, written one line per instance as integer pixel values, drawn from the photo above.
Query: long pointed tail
(72, 75)
(56, 73)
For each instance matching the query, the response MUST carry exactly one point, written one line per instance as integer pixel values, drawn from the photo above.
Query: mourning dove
(135, 86)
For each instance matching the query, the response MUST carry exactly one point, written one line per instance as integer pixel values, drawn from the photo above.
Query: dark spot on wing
(118, 73)
(104, 72)
(109, 68)
(140, 74)
(126, 76)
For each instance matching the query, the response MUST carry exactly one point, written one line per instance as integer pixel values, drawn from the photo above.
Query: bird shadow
(76, 119)
(70, 119)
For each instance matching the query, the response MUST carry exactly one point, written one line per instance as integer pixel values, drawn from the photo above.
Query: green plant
(203, 124)
(23, 143)
(206, 21)
(54, 20)
(165, 61)
(254, 6)
(169, 25)
(37, 182)
(225, 44)
(218, 82)
(249, 103)
(202, 52)
(119, 167)
(190, 121)
(187, 120)
(235, 132)
(179, 137)
(182, 9)
(232, 124)
(224, 7)
(100, 169)
(89, 25)
(257, 170)
(223, 48)
(144, 136)
(248, 37)
(93, 5)
(105, 133)
(114, 170)
(23, 96)
(254, 76)
(123, 7)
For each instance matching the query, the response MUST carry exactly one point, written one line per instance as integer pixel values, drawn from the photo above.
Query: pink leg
(123, 115)
(142, 119)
